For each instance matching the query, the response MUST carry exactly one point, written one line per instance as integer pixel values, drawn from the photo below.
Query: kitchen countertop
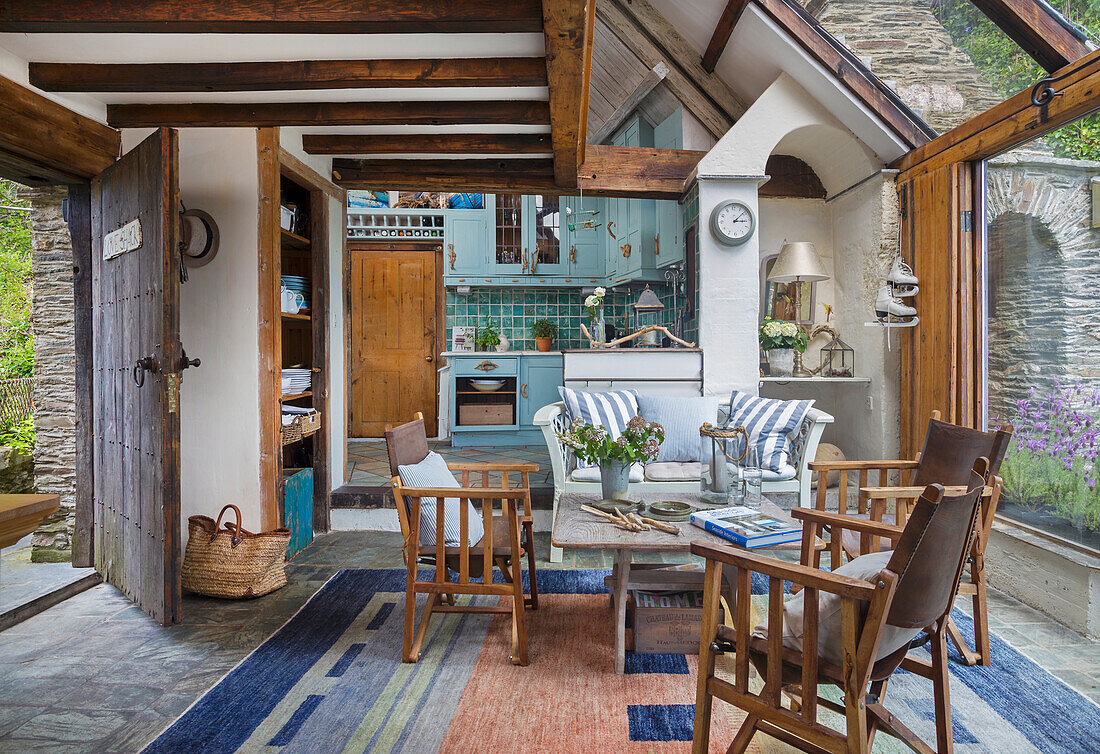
(632, 350)
(501, 354)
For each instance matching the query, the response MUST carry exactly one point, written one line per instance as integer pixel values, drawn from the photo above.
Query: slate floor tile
(69, 726)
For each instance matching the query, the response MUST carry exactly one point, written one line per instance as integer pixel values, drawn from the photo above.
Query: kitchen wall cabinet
(585, 249)
(668, 240)
(466, 240)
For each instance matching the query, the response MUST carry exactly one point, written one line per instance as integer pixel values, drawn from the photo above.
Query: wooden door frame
(274, 162)
(440, 331)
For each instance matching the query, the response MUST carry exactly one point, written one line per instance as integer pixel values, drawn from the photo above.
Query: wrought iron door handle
(186, 363)
(141, 366)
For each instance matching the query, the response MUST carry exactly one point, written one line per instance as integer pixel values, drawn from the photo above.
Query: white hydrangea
(776, 329)
(591, 301)
(600, 291)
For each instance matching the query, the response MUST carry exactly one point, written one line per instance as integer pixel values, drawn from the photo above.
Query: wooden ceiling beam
(722, 31)
(347, 144)
(566, 26)
(1036, 30)
(287, 75)
(508, 112)
(44, 142)
(640, 172)
(630, 104)
(1076, 92)
(272, 16)
(515, 175)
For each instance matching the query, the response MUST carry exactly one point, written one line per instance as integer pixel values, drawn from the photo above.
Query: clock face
(733, 222)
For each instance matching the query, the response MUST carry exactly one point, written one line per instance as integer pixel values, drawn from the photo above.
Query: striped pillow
(609, 410)
(769, 423)
(433, 472)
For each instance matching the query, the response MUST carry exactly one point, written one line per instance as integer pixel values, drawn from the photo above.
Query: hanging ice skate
(903, 283)
(891, 311)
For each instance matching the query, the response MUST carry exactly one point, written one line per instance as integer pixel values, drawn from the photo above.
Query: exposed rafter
(566, 25)
(272, 16)
(347, 144)
(287, 75)
(654, 40)
(523, 112)
(722, 31)
(44, 142)
(607, 171)
(630, 104)
(1037, 30)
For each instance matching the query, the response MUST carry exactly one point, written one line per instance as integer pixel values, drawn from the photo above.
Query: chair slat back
(931, 552)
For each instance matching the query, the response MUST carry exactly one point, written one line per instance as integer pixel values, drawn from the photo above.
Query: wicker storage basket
(302, 426)
(232, 562)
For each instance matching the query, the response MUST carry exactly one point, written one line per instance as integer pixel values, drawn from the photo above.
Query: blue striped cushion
(609, 410)
(433, 472)
(769, 423)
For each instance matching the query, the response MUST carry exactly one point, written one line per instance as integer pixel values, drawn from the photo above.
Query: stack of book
(747, 527)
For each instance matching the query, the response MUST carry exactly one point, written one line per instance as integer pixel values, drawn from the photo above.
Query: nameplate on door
(127, 238)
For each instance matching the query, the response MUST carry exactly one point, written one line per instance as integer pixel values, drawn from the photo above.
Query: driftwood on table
(632, 521)
(626, 338)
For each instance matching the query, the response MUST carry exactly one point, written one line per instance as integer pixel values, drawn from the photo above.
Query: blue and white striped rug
(331, 680)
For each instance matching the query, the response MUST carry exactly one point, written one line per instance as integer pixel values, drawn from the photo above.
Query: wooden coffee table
(575, 529)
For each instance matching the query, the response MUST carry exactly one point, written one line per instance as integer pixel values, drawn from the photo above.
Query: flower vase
(781, 362)
(598, 331)
(614, 479)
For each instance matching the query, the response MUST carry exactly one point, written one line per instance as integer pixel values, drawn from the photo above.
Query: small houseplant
(780, 340)
(639, 443)
(593, 304)
(544, 331)
(488, 336)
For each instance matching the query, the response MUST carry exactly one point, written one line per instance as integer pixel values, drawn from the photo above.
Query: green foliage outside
(1010, 70)
(18, 435)
(16, 340)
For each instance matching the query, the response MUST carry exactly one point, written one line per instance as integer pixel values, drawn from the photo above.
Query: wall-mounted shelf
(293, 240)
(297, 317)
(296, 396)
(811, 380)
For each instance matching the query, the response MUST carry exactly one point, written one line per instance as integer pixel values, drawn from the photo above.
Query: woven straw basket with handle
(231, 562)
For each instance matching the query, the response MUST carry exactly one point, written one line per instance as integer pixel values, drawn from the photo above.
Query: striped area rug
(331, 680)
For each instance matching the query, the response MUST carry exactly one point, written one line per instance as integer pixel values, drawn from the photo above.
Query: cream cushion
(829, 641)
(592, 474)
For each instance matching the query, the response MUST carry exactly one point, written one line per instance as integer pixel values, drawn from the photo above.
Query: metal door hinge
(967, 220)
(172, 387)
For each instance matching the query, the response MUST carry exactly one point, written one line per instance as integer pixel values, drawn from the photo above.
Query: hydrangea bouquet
(776, 333)
(639, 442)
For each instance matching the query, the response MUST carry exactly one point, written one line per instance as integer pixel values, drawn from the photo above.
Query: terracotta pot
(544, 344)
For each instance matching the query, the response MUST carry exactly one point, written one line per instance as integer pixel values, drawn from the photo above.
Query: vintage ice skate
(903, 283)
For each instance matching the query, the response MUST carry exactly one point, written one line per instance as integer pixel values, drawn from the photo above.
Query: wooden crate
(475, 414)
(664, 622)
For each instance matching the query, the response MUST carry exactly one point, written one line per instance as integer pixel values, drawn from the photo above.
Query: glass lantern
(838, 359)
(647, 312)
(721, 451)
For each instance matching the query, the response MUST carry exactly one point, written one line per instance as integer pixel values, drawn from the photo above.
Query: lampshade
(798, 261)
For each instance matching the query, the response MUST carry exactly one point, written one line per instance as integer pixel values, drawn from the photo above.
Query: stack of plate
(300, 285)
(296, 381)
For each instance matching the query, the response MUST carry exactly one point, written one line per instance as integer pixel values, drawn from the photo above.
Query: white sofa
(673, 477)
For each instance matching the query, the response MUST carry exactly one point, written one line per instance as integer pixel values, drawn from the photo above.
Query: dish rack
(302, 426)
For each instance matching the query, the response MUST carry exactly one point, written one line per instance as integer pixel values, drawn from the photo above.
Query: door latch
(186, 363)
(141, 366)
(172, 390)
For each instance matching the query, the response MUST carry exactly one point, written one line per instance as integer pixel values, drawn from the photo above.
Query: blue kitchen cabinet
(544, 221)
(540, 378)
(584, 246)
(631, 229)
(504, 416)
(668, 239)
(466, 239)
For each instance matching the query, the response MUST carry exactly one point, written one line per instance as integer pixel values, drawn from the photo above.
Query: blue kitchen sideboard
(505, 416)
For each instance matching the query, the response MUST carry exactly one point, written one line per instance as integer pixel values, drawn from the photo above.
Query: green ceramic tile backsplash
(514, 311)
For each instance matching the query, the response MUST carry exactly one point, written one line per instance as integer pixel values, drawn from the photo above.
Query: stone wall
(16, 472)
(1044, 323)
(906, 44)
(55, 377)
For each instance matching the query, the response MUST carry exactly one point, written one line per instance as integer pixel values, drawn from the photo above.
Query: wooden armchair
(948, 454)
(507, 537)
(915, 590)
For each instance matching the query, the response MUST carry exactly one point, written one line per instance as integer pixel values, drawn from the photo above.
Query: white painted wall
(219, 311)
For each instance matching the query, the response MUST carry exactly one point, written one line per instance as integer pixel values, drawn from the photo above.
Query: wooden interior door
(136, 356)
(394, 338)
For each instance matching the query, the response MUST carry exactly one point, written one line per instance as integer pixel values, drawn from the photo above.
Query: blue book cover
(747, 527)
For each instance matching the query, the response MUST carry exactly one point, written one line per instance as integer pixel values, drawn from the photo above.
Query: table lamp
(798, 263)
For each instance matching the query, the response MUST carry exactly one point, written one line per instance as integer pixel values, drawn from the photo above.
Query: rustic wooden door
(136, 357)
(393, 347)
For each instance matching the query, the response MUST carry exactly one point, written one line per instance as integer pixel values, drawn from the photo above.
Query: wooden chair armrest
(860, 465)
(806, 576)
(837, 521)
(911, 493)
(517, 467)
(465, 493)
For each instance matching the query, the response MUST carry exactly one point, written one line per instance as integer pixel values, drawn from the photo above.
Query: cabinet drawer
(487, 365)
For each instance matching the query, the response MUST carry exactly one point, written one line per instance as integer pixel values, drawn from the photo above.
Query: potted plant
(544, 331)
(488, 336)
(593, 304)
(780, 340)
(639, 443)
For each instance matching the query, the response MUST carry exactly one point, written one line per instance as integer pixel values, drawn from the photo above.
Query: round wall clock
(732, 222)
